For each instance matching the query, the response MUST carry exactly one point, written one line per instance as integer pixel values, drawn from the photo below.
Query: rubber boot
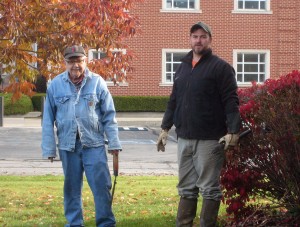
(186, 212)
(209, 213)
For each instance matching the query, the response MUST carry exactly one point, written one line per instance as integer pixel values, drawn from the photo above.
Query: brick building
(260, 38)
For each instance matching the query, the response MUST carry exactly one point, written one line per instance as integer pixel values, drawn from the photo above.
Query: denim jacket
(90, 112)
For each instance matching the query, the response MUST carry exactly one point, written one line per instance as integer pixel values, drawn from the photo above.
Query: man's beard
(201, 52)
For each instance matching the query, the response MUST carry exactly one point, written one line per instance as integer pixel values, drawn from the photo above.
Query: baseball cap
(202, 25)
(74, 51)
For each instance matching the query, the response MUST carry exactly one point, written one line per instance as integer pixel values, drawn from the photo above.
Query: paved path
(21, 154)
(33, 119)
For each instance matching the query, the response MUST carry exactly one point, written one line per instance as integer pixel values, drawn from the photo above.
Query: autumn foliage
(33, 33)
(262, 179)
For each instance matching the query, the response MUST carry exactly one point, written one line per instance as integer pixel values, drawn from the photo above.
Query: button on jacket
(202, 98)
(88, 113)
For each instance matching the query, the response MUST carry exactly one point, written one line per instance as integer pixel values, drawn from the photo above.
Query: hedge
(21, 106)
(37, 101)
(122, 104)
(140, 103)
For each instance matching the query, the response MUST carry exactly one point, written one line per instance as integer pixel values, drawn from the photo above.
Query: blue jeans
(92, 161)
(200, 163)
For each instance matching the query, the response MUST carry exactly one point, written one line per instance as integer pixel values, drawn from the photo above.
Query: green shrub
(40, 84)
(140, 103)
(122, 104)
(21, 106)
(37, 101)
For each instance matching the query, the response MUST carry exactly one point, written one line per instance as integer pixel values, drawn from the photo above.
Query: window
(259, 4)
(251, 65)
(98, 54)
(181, 5)
(252, 6)
(171, 61)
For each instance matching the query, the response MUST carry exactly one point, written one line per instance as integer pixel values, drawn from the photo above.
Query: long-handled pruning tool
(116, 172)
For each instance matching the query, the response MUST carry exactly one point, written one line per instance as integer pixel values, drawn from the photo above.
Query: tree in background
(33, 33)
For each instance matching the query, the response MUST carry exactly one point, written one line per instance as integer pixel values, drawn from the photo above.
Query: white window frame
(167, 9)
(248, 51)
(90, 58)
(164, 82)
(253, 11)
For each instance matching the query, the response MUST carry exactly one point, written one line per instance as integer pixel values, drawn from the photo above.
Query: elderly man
(79, 104)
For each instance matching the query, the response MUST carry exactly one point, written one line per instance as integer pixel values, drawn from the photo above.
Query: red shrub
(267, 163)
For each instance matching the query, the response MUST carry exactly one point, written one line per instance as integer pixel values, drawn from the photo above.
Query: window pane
(250, 77)
(250, 68)
(262, 5)
(168, 67)
(95, 55)
(262, 77)
(240, 5)
(251, 58)
(192, 4)
(180, 3)
(169, 4)
(251, 5)
(168, 57)
(240, 57)
(262, 68)
(169, 77)
(178, 56)
(239, 78)
(262, 57)
(99, 55)
(240, 68)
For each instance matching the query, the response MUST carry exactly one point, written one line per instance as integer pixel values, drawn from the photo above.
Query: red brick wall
(278, 32)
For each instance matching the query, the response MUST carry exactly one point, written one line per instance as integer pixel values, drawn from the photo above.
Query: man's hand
(162, 140)
(229, 140)
(51, 159)
(112, 152)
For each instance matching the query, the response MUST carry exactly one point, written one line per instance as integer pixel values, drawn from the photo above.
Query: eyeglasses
(72, 62)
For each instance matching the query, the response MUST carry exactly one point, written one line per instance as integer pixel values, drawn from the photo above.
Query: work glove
(162, 140)
(229, 140)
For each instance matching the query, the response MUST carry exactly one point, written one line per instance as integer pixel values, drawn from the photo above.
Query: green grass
(138, 201)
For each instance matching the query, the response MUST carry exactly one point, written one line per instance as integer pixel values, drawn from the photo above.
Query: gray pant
(200, 163)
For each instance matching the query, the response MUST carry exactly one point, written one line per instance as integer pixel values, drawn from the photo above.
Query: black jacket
(204, 101)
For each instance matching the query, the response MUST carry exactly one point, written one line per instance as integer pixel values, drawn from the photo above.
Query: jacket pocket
(91, 101)
(62, 103)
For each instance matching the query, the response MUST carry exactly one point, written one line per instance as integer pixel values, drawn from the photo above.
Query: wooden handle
(116, 164)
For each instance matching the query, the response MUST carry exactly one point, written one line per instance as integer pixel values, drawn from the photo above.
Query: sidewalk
(141, 119)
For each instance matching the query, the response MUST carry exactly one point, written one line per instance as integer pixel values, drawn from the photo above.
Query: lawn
(138, 201)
